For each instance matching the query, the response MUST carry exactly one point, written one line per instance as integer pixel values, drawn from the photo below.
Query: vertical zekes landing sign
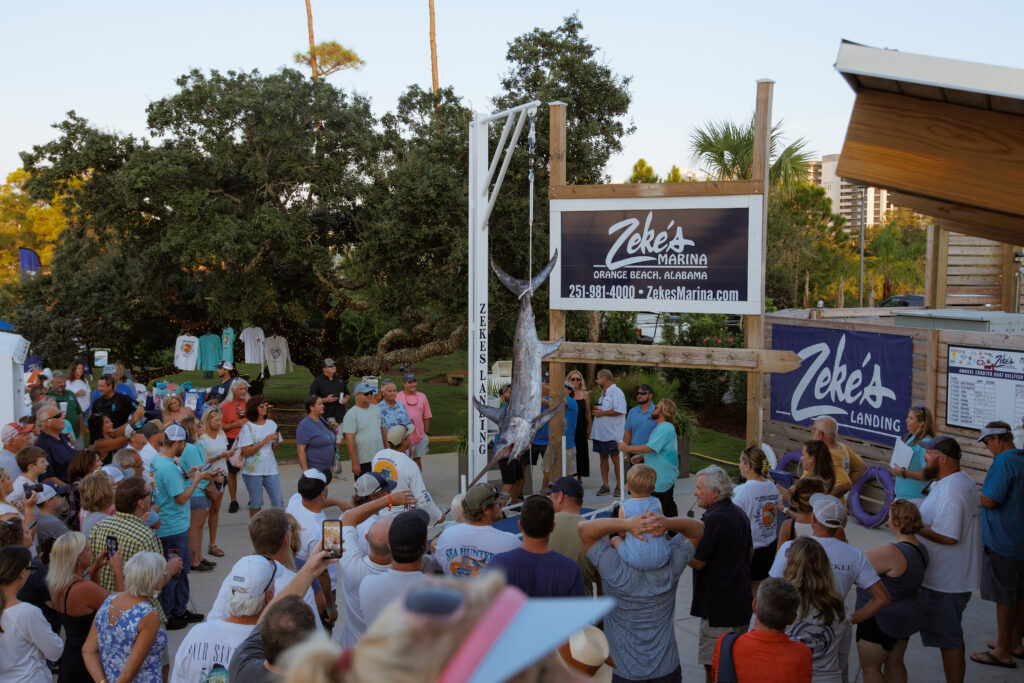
(664, 254)
(860, 379)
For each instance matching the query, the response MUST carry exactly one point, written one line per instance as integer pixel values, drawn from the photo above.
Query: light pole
(863, 221)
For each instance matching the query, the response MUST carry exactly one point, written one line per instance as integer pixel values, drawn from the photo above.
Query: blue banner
(860, 379)
(29, 261)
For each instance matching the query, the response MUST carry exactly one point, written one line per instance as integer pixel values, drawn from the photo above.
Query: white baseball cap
(828, 510)
(175, 433)
(252, 575)
(312, 473)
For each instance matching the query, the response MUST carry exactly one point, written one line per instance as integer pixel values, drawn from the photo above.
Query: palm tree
(725, 151)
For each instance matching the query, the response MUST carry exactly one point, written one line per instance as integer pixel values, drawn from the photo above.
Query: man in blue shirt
(534, 568)
(640, 420)
(172, 495)
(1002, 563)
(661, 453)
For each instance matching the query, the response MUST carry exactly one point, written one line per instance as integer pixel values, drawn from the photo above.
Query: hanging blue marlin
(520, 419)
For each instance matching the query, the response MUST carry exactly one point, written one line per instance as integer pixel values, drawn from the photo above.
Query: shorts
(511, 470)
(1002, 579)
(762, 561)
(942, 614)
(870, 632)
(201, 502)
(606, 447)
(536, 451)
(709, 635)
(419, 449)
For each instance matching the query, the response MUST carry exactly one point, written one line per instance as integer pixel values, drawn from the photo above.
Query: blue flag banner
(30, 263)
(860, 379)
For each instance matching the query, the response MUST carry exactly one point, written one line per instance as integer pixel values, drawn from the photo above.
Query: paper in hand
(901, 454)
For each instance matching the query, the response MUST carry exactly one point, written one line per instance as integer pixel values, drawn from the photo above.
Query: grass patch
(715, 445)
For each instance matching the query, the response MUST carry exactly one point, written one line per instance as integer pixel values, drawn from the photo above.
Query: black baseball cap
(567, 485)
(946, 445)
(408, 531)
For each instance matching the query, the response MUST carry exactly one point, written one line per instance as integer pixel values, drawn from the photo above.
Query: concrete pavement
(923, 664)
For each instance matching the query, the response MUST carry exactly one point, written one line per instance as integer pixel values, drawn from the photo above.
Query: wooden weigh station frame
(755, 360)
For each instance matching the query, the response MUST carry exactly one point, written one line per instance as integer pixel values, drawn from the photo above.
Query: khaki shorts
(419, 449)
(709, 635)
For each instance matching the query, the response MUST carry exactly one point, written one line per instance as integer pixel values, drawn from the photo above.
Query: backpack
(726, 665)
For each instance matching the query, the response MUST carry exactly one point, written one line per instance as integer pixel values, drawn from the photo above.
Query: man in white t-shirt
(270, 533)
(952, 534)
(609, 427)
(152, 433)
(357, 564)
(465, 549)
(850, 567)
(396, 466)
(407, 539)
(308, 511)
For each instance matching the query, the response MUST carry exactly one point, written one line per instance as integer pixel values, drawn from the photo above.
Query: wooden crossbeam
(711, 188)
(699, 357)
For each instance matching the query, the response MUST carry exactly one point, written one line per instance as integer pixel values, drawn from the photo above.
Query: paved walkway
(923, 664)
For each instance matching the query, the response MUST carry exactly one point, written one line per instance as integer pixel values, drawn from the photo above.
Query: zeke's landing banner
(664, 254)
(860, 379)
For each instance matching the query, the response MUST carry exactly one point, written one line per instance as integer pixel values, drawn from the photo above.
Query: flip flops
(988, 659)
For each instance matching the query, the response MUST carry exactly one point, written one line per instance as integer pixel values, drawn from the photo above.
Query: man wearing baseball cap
(368, 487)
(364, 431)
(395, 465)
(952, 535)
(418, 407)
(332, 389)
(219, 393)
(407, 540)
(14, 436)
(566, 495)
(465, 549)
(172, 495)
(850, 567)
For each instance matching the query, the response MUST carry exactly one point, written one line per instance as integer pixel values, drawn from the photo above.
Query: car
(898, 300)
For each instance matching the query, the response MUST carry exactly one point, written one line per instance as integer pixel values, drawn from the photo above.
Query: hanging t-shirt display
(186, 352)
(209, 352)
(252, 337)
(277, 356)
(227, 343)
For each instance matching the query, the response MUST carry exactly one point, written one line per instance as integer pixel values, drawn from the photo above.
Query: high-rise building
(848, 198)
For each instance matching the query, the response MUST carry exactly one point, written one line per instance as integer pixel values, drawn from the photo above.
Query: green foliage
(674, 175)
(619, 328)
(726, 151)
(643, 173)
(806, 244)
(331, 57)
(703, 388)
(664, 387)
(896, 251)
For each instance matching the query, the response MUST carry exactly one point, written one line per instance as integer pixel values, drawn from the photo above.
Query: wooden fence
(928, 388)
(971, 272)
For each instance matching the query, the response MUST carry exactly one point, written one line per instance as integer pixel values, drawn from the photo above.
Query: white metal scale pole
(481, 200)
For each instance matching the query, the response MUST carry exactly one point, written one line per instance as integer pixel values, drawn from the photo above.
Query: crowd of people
(97, 546)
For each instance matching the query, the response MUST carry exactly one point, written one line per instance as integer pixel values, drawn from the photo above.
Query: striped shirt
(133, 536)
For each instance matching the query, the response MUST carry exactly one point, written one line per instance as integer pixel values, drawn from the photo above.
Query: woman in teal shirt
(661, 453)
(910, 481)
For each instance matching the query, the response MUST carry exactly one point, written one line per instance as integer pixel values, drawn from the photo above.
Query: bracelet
(903, 472)
(389, 502)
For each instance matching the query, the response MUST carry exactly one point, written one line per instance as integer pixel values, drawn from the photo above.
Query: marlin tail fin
(520, 287)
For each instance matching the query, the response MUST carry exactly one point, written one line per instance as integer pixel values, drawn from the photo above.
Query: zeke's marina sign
(664, 254)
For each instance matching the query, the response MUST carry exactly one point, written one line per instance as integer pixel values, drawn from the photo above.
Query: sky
(690, 62)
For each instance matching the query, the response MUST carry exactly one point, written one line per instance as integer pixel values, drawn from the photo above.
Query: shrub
(704, 388)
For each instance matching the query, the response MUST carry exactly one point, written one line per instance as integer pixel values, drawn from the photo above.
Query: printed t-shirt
(767, 657)
(953, 509)
(540, 575)
(640, 424)
(465, 549)
(665, 458)
(227, 345)
(277, 356)
(209, 352)
(824, 641)
(610, 428)
(119, 407)
(282, 578)
(566, 539)
(399, 467)
(168, 481)
(418, 408)
(760, 501)
(252, 337)
(850, 566)
(206, 651)
(1000, 526)
(262, 462)
(186, 352)
(366, 424)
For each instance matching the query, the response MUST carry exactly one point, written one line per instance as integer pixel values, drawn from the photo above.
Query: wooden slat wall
(976, 273)
(928, 388)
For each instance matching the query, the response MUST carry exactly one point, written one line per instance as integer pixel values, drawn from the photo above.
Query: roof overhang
(946, 136)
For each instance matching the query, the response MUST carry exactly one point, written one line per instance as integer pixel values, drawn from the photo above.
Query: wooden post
(940, 264)
(753, 325)
(1008, 279)
(556, 319)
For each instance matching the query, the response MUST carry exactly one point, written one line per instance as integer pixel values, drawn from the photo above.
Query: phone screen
(332, 537)
(173, 553)
(111, 546)
(206, 467)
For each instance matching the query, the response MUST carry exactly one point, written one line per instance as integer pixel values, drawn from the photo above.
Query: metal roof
(981, 86)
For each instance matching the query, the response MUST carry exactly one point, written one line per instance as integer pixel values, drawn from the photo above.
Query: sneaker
(603, 491)
(615, 493)
(201, 568)
(207, 563)
(176, 623)
(233, 507)
(192, 617)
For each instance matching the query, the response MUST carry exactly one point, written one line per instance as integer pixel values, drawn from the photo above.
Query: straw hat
(587, 653)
